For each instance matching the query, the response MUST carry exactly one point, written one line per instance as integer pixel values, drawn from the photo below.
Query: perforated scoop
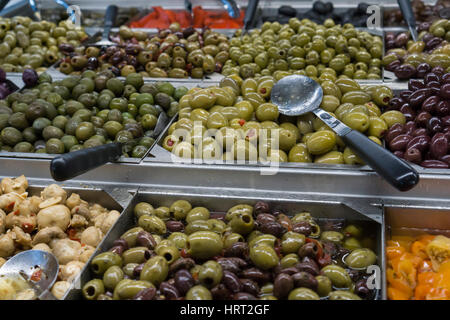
(296, 95)
(38, 268)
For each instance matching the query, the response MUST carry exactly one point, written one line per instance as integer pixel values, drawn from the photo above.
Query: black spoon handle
(70, 165)
(110, 19)
(250, 13)
(396, 171)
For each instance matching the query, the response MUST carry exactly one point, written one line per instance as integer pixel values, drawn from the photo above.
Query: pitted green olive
(361, 258)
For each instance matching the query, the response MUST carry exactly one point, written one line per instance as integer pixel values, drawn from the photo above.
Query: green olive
(264, 256)
(198, 292)
(338, 276)
(104, 261)
(332, 236)
(127, 288)
(92, 289)
(303, 294)
(324, 285)
(179, 209)
(361, 258)
(131, 235)
(152, 224)
(155, 270)
(204, 244)
(291, 242)
(112, 277)
(210, 274)
(197, 213)
(343, 295)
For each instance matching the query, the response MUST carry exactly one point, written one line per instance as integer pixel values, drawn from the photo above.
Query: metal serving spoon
(296, 95)
(408, 15)
(27, 263)
(72, 164)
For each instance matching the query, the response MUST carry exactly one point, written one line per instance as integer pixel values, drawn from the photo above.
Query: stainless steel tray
(221, 202)
(112, 200)
(413, 221)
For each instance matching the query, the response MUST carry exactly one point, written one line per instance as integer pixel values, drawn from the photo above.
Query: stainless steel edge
(332, 208)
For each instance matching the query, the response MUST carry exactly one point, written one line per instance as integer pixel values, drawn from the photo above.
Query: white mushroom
(42, 247)
(86, 252)
(6, 245)
(60, 288)
(9, 200)
(96, 210)
(71, 270)
(92, 236)
(58, 215)
(82, 210)
(47, 234)
(98, 220)
(65, 250)
(73, 201)
(2, 221)
(78, 221)
(27, 223)
(109, 220)
(21, 238)
(18, 185)
(54, 191)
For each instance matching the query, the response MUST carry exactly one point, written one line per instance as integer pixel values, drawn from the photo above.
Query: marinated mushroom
(109, 220)
(58, 215)
(54, 191)
(86, 252)
(78, 221)
(60, 288)
(6, 245)
(2, 221)
(73, 201)
(70, 270)
(47, 234)
(65, 250)
(91, 236)
(42, 247)
(21, 238)
(18, 185)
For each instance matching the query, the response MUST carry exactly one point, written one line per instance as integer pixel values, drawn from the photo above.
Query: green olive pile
(248, 253)
(172, 53)
(236, 121)
(85, 111)
(305, 48)
(31, 44)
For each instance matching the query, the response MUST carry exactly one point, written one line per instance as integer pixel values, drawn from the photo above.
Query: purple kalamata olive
(396, 102)
(232, 282)
(431, 77)
(419, 132)
(413, 155)
(282, 285)
(2, 75)
(433, 43)
(423, 69)
(408, 112)
(414, 84)
(405, 94)
(399, 154)
(434, 125)
(435, 87)
(422, 118)
(220, 292)
(446, 159)
(183, 281)
(394, 65)
(305, 280)
(438, 70)
(146, 294)
(265, 217)
(429, 103)
(30, 77)
(394, 131)
(443, 108)
(401, 40)
(445, 78)
(405, 71)
(446, 121)
(400, 142)
(410, 126)
(175, 226)
(250, 286)
(434, 164)
(445, 91)
(302, 227)
(418, 97)
(261, 207)
(439, 145)
(420, 143)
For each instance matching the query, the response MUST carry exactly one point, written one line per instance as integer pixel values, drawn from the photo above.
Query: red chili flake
(17, 212)
(242, 122)
(184, 253)
(10, 206)
(170, 142)
(263, 90)
(36, 276)
(27, 227)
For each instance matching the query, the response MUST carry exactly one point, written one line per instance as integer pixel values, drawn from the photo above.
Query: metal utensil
(408, 15)
(250, 15)
(70, 165)
(296, 95)
(110, 19)
(232, 8)
(27, 263)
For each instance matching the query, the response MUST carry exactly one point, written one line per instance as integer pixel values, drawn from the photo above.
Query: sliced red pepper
(72, 232)
(324, 260)
(242, 122)
(184, 253)
(319, 247)
(36, 276)
(10, 206)
(27, 227)
(17, 212)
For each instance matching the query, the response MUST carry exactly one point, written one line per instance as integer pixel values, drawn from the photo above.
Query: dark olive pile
(425, 138)
(34, 44)
(422, 12)
(84, 111)
(409, 59)
(322, 11)
(248, 253)
(173, 53)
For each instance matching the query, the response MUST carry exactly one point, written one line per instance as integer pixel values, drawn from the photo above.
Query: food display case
(377, 72)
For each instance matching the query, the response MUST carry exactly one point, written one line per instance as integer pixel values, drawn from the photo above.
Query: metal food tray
(221, 202)
(92, 194)
(413, 221)
(46, 156)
